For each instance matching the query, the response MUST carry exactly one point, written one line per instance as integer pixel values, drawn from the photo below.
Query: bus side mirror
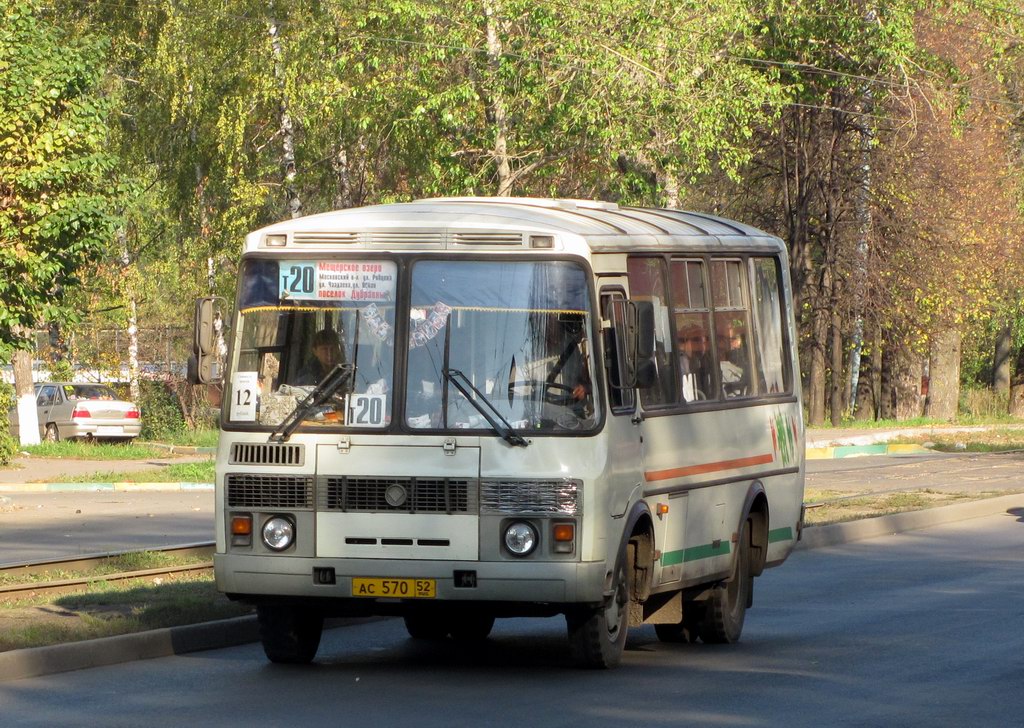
(203, 365)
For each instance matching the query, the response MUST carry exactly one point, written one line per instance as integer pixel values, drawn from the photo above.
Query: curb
(92, 487)
(181, 449)
(38, 661)
(814, 537)
(853, 451)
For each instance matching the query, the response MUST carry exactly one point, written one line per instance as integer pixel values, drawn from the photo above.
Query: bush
(161, 412)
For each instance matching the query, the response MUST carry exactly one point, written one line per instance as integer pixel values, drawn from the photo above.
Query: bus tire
(426, 626)
(290, 634)
(727, 606)
(471, 627)
(597, 637)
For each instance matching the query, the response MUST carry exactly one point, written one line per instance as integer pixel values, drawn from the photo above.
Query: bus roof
(508, 223)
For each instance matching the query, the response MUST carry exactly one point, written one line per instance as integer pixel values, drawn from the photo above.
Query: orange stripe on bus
(709, 467)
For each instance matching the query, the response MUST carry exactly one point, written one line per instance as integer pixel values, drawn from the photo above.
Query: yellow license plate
(394, 588)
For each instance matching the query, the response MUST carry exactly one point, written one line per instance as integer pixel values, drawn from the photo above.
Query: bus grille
(541, 497)
(269, 491)
(266, 453)
(397, 495)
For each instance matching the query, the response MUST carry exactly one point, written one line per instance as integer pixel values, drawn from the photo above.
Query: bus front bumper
(529, 582)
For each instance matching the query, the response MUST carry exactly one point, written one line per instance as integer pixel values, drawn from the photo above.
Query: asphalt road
(922, 628)
(36, 526)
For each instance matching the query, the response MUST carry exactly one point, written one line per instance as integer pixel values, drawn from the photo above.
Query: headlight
(278, 533)
(520, 538)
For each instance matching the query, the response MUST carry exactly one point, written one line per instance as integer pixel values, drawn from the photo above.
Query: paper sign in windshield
(363, 281)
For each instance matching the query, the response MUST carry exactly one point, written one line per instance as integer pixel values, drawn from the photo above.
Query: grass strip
(85, 450)
(197, 472)
(112, 609)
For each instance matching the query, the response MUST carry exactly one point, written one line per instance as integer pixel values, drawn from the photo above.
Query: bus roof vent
(473, 238)
(266, 453)
(324, 238)
(425, 239)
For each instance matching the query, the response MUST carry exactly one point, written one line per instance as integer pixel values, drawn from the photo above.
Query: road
(923, 628)
(36, 526)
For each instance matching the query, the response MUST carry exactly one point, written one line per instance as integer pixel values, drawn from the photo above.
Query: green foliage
(95, 450)
(161, 412)
(8, 445)
(55, 204)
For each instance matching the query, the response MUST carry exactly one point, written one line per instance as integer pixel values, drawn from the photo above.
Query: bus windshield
(484, 342)
(518, 333)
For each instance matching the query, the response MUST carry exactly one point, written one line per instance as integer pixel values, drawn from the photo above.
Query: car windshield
(518, 331)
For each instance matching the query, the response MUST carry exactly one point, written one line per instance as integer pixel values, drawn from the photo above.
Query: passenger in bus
(326, 354)
(733, 361)
(694, 362)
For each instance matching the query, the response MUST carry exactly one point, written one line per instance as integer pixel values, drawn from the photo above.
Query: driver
(327, 354)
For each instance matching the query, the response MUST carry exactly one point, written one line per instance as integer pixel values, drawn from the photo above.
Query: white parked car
(68, 411)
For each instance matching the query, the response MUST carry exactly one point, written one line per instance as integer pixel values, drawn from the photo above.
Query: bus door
(622, 431)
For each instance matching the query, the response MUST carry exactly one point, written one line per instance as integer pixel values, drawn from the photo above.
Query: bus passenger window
(656, 380)
(693, 330)
(732, 329)
(772, 370)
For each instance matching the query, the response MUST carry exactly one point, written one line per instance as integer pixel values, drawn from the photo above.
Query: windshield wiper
(494, 418)
(320, 394)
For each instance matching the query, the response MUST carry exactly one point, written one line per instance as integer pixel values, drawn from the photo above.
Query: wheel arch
(755, 507)
(639, 528)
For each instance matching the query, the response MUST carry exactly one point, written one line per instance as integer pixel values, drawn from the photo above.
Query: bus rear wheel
(597, 637)
(727, 607)
(290, 634)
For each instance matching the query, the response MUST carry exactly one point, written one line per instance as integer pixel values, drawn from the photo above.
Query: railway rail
(89, 562)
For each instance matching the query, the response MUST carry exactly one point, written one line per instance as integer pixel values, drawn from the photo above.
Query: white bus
(460, 409)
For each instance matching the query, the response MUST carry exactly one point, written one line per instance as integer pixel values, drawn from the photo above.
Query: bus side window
(733, 350)
(647, 287)
(766, 306)
(620, 388)
(692, 316)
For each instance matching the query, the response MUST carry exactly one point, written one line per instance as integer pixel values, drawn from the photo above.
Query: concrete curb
(853, 451)
(38, 661)
(181, 449)
(92, 487)
(839, 533)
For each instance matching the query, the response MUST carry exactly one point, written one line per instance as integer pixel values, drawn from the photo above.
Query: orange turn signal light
(564, 532)
(241, 525)
(662, 509)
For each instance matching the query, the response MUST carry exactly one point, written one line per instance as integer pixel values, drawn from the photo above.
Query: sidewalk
(32, 475)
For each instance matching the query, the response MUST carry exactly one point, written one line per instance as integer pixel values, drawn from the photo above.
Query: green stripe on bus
(780, 534)
(695, 553)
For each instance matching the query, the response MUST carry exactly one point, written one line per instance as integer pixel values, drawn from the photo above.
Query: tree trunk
(867, 384)
(1001, 365)
(816, 378)
(284, 118)
(497, 101)
(907, 386)
(133, 316)
(28, 419)
(887, 388)
(1017, 386)
(837, 380)
(944, 375)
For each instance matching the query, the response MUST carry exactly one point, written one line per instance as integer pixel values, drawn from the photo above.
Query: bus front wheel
(597, 637)
(727, 607)
(290, 634)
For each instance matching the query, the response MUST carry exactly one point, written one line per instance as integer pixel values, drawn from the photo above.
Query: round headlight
(520, 538)
(278, 533)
